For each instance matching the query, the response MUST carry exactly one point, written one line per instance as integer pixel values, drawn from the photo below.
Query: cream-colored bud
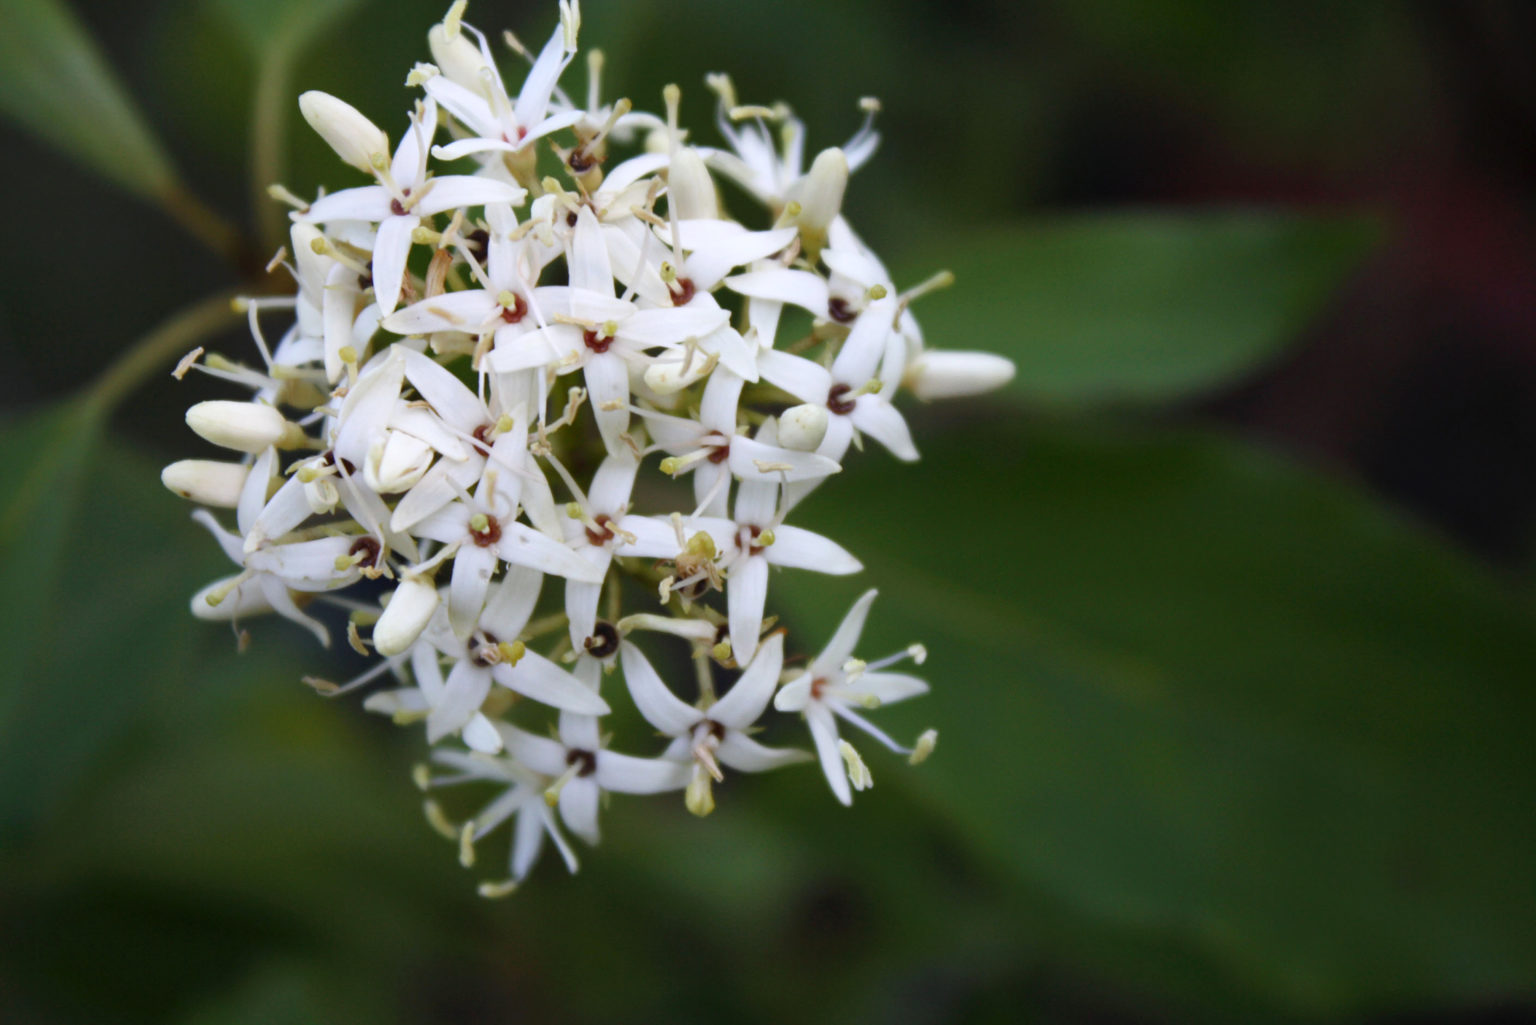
(802, 428)
(690, 190)
(355, 139)
(406, 616)
(457, 56)
(397, 464)
(206, 481)
(819, 196)
(940, 374)
(242, 426)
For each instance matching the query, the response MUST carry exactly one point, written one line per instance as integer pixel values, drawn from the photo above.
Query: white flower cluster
(419, 418)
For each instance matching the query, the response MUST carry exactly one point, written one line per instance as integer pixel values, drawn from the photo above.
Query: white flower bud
(355, 139)
(690, 190)
(820, 197)
(457, 57)
(242, 426)
(397, 464)
(206, 481)
(406, 616)
(669, 378)
(802, 428)
(941, 374)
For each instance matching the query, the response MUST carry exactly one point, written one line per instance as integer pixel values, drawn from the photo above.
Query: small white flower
(833, 686)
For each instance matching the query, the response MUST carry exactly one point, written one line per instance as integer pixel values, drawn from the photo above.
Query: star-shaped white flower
(706, 738)
(833, 686)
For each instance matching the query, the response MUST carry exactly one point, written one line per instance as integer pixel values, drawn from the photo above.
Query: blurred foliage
(1220, 738)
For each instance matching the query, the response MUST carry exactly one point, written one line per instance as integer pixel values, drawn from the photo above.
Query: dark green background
(1227, 595)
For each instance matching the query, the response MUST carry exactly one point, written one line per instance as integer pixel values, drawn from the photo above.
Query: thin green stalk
(172, 337)
(269, 143)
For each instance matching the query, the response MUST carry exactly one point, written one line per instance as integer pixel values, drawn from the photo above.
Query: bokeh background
(1228, 594)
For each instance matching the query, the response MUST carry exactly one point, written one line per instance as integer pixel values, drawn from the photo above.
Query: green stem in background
(268, 140)
(172, 337)
(203, 223)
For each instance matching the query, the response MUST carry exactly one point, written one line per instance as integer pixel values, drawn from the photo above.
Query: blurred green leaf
(1144, 307)
(1196, 693)
(290, 24)
(54, 81)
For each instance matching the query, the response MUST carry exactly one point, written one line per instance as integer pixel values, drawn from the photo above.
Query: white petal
(511, 602)
(879, 419)
(453, 311)
(661, 708)
(748, 456)
(607, 378)
(796, 287)
(472, 569)
(544, 681)
(865, 345)
(481, 736)
(588, 259)
(807, 381)
(540, 754)
(525, 546)
(886, 687)
(824, 733)
(456, 191)
(581, 609)
(748, 697)
(740, 752)
(465, 692)
(390, 251)
(368, 203)
(578, 808)
(800, 549)
(625, 774)
(829, 664)
(649, 328)
(746, 593)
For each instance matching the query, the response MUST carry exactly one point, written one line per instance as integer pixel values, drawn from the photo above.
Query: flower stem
(268, 142)
(170, 338)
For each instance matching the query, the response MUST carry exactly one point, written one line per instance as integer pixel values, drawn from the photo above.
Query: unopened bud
(802, 428)
(819, 196)
(700, 796)
(406, 616)
(243, 426)
(397, 464)
(206, 481)
(355, 139)
(456, 56)
(690, 190)
(940, 374)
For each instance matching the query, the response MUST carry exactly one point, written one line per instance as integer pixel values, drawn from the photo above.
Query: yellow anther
(512, 652)
(765, 538)
(347, 354)
(421, 775)
(319, 246)
(722, 651)
(702, 545)
(467, 845)
(668, 272)
(858, 772)
(454, 18)
(479, 523)
(425, 236)
(924, 747)
(438, 820)
(669, 466)
(506, 298)
(307, 474)
(876, 292)
(700, 797)
(610, 328)
(497, 890)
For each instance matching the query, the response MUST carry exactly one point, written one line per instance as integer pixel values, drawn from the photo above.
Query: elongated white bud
(941, 374)
(802, 428)
(397, 464)
(243, 426)
(355, 139)
(456, 56)
(690, 190)
(820, 198)
(206, 481)
(406, 616)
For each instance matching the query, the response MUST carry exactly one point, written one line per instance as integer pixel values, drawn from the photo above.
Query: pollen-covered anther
(924, 747)
(497, 890)
(467, 845)
(858, 773)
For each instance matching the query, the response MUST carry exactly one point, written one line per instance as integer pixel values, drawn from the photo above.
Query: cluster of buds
(495, 376)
